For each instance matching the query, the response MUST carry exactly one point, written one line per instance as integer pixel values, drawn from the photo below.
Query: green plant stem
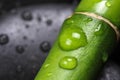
(87, 39)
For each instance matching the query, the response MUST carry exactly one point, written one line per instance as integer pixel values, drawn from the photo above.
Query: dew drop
(49, 74)
(89, 19)
(14, 11)
(39, 19)
(108, 3)
(105, 57)
(4, 39)
(27, 16)
(45, 46)
(25, 37)
(49, 22)
(19, 69)
(27, 26)
(20, 49)
(99, 30)
(72, 38)
(68, 63)
(46, 65)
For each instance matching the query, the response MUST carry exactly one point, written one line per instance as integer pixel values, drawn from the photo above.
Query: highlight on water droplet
(68, 62)
(100, 29)
(4, 39)
(89, 19)
(108, 3)
(27, 16)
(49, 74)
(72, 38)
(105, 57)
(46, 65)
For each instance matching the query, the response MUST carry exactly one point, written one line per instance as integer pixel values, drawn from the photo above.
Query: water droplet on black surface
(20, 49)
(39, 19)
(27, 16)
(45, 46)
(4, 39)
(14, 11)
(25, 37)
(19, 69)
(32, 41)
(49, 22)
(27, 26)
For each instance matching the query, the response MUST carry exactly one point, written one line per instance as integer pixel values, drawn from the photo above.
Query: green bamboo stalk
(84, 43)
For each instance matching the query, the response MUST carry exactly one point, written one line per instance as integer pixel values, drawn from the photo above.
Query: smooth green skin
(99, 7)
(91, 57)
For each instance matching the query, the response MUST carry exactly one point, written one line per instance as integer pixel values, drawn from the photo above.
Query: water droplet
(108, 3)
(27, 16)
(49, 74)
(20, 49)
(19, 69)
(49, 22)
(32, 41)
(70, 21)
(105, 57)
(45, 46)
(68, 63)
(27, 26)
(39, 19)
(90, 19)
(46, 65)
(25, 37)
(99, 30)
(14, 11)
(4, 39)
(72, 38)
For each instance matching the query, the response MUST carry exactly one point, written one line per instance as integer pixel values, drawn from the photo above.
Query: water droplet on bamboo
(108, 3)
(68, 63)
(99, 30)
(49, 74)
(72, 38)
(105, 57)
(46, 65)
(4, 39)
